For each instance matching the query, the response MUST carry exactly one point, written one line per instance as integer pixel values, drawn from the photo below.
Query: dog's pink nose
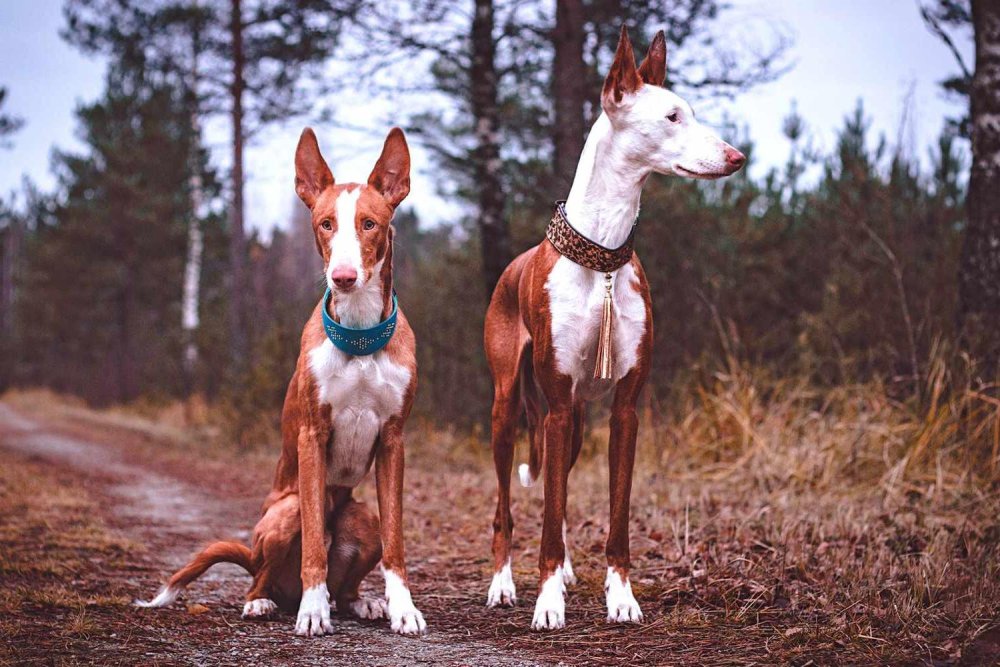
(344, 277)
(734, 158)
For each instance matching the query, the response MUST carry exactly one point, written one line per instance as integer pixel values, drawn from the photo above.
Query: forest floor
(98, 508)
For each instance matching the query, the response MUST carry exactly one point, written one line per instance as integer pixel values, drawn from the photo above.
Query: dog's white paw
(502, 592)
(550, 609)
(259, 608)
(407, 621)
(368, 608)
(622, 606)
(314, 613)
(404, 617)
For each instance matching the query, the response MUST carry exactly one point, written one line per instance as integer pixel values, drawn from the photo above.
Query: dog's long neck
(604, 199)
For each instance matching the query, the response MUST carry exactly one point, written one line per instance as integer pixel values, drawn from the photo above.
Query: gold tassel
(602, 371)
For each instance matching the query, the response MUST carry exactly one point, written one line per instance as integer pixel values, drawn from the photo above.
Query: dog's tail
(217, 552)
(528, 472)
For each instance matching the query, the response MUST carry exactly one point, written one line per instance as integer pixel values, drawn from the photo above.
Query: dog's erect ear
(653, 69)
(312, 175)
(391, 175)
(622, 79)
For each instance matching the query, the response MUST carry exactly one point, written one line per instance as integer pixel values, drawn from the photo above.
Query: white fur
(404, 617)
(644, 137)
(166, 596)
(345, 247)
(622, 607)
(502, 592)
(360, 306)
(314, 613)
(576, 302)
(363, 392)
(630, 140)
(550, 609)
(625, 145)
(524, 474)
(568, 575)
(368, 608)
(259, 608)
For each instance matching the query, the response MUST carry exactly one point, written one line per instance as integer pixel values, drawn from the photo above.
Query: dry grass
(772, 524)
(53, 548)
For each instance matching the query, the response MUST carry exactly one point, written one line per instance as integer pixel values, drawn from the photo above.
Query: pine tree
(262, 61)
(102, 286)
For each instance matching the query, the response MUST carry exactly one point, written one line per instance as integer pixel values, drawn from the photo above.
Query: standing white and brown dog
(343, 410)
(545, 320)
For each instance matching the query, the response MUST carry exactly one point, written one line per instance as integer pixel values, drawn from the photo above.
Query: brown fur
(307, 527)
(519, 349)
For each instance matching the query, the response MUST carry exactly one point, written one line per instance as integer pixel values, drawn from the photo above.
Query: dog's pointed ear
(653, 69)
(622, 79)
(391, 175)
(312, 175)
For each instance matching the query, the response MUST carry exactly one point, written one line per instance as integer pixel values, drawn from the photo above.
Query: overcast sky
(877, 50)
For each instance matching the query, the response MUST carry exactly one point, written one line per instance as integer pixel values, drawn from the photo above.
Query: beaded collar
(579, 249)
(358, 342)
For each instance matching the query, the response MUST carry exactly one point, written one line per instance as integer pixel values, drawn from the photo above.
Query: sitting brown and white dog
(342, 412)
(547, 316)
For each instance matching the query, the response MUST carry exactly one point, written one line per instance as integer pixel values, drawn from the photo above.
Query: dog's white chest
(576, 302)
(363, 392)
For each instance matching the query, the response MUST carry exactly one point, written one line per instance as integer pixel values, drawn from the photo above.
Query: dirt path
(98, 508)
(171, 517)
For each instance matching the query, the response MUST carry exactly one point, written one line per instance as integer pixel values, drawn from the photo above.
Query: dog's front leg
(622, 605)
(314, 609)
(550, 608)
(404, 617)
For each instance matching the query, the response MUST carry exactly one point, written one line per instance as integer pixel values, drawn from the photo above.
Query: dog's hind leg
(355, 551)
(579, 418)
(276, 538)
(506, 404)
(506, 340)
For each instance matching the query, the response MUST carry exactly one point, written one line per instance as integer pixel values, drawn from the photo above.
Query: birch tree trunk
(190, 298)
(979, 272)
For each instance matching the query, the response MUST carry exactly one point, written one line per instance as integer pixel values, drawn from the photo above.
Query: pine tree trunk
(10, 252)
(979, 273)
(238, 340)
(494, 232)
(569, 91)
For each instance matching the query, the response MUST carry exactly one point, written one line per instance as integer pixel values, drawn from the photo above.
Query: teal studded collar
(359, 342)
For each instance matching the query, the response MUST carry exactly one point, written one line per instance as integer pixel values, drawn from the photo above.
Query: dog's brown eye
(327, 225)
(368, 225)
(674, 117)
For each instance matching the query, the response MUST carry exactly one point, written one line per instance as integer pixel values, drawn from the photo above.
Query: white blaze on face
(345, 246)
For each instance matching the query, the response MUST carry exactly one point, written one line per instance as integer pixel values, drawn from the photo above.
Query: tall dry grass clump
(744, 423)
